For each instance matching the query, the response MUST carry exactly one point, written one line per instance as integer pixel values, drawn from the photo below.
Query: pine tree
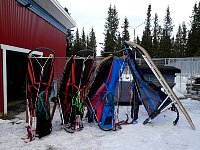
(111, 27)
(125, 32)
(146, 37)
(166, 43)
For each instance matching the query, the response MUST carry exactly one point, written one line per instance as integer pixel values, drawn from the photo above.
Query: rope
(42, 108)
(42, 66)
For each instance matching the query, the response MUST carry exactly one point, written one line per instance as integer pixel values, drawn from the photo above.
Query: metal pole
(134, 35)
(135, 42)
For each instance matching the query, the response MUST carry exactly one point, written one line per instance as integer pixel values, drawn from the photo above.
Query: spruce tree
(166, 43)
(92, 41)
(69, 43)
(156, 32)
(138, 40)
(87, 41)
(146, 37)
(107, 44)
(194, 33)
(83, 40)
(178, 42)
(77, 43)
(111, 30)
(172, 51)
(119, 41)
(125, 32)
(184, 40)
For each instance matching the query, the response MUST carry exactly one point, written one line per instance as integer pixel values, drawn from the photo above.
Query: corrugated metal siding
(59, 63)
(22, 28)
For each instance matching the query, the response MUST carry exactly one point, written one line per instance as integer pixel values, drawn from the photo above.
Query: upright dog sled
(101, 93)
(165, 98)
(102, 90)
(73, 91)
(39, 80)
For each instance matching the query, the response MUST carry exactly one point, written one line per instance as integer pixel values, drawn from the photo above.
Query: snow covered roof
(54, 8)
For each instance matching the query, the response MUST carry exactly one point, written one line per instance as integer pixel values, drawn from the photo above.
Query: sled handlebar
(42, 49)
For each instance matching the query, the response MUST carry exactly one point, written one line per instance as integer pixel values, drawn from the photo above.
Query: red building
(25, 25)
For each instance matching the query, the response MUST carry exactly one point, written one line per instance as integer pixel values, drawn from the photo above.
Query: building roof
(52, 12)
(54, 8)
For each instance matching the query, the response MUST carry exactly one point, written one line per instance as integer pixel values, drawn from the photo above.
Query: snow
(160, 134)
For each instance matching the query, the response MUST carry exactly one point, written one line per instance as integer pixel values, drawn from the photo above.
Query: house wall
(1, 83)
(20, 27)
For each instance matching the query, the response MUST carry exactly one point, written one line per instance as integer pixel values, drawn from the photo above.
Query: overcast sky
(92, 13)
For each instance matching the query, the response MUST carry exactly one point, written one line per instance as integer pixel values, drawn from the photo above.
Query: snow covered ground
(160, 134)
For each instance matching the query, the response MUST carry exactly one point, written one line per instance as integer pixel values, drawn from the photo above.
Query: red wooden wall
(22, 28)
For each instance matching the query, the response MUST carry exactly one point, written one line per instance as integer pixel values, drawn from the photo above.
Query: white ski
(161, 79)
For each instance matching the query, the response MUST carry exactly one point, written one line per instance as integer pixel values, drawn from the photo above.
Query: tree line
(158, 40)
(77, 42)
